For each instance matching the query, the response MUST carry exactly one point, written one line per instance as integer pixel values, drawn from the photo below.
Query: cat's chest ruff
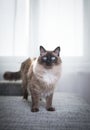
(44, 75)
(49, 77)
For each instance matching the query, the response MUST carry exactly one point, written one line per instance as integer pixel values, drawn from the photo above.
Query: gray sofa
(72, 112)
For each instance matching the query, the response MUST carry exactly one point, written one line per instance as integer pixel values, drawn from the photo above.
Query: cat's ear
(42, 50)
(57, 51)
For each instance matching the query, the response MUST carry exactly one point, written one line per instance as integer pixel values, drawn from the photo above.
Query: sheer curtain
(14, 27)
(58, 22)
(26, 24)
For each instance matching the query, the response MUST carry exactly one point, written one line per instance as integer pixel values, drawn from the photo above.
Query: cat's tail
(12, 75)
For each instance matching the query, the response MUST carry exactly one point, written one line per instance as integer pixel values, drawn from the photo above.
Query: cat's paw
(51, 109)
(34, 109)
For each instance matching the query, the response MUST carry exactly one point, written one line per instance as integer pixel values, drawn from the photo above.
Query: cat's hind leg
(25, 92)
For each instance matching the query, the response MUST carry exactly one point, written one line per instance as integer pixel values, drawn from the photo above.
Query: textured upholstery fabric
(72, 113)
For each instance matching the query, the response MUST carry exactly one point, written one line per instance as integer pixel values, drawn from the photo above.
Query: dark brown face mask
(49, 58)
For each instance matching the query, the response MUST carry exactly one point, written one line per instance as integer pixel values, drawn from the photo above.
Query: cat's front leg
(35, 101)
(49, 106)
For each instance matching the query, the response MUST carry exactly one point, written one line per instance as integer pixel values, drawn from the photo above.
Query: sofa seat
(72, 113)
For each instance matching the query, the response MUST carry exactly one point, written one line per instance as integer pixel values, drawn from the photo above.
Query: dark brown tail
(12, 75)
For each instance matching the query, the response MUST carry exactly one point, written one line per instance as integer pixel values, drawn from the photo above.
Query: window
(52, 23)
(61, 23)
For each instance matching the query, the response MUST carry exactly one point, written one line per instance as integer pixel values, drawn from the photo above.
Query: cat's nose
(48, 63)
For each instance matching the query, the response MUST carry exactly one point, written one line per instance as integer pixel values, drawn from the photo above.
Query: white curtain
(14, 27)
(26, 24)
(59, 22)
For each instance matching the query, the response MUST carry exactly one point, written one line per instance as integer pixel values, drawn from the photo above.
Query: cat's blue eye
(45, 58)
(53, 58)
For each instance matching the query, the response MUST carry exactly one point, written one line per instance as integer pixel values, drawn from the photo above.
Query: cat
(39, 77)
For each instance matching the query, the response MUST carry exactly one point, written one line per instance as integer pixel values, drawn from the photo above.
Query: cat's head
(49, 58)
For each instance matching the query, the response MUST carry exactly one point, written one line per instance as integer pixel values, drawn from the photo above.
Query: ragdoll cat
(39, 77)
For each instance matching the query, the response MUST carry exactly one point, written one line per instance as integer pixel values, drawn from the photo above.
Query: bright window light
(61, 23)
(14, 27)
(52, 23)
(21, 39)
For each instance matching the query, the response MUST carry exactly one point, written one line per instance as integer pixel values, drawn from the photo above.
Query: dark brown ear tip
(41, 47)
(59, 48)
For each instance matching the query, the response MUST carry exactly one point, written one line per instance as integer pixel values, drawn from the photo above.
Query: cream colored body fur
(46, 79)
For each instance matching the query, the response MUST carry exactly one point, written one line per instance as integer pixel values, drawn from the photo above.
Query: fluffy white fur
(49, 76)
